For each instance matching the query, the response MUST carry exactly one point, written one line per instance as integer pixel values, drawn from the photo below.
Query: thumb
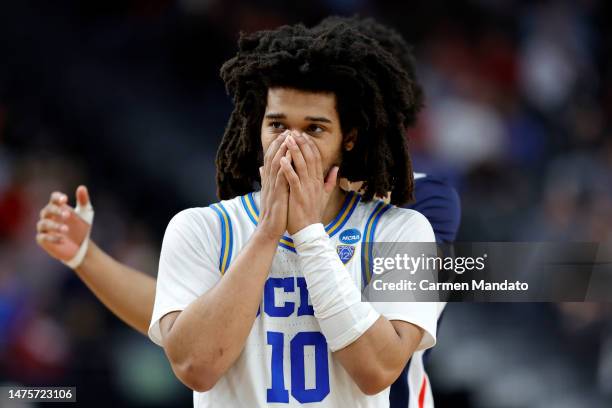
(82, 196)
(330, 180)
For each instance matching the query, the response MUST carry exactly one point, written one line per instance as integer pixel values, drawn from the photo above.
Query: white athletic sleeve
(188, 264)
(413, 227)
(336, 300)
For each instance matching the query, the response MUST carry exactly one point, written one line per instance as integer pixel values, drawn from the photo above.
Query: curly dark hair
(374, 95)
(391, 41)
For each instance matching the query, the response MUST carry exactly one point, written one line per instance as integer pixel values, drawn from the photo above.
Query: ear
(349, 140)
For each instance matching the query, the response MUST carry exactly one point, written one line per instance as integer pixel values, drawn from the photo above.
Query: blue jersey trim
(368, 239)
(349, 205)
(227, 237)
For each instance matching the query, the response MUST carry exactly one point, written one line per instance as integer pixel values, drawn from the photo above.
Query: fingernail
(64, 228)
(65, 214)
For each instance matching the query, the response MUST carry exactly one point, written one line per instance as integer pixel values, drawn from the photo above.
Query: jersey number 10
(278, 392)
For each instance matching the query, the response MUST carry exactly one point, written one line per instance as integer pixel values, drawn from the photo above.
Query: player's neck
(336, 199)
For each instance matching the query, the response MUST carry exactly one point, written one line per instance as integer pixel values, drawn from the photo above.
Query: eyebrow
(308, 118)
(276, 116)
(318, 119)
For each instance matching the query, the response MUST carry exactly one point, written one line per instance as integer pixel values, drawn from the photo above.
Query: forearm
(209, 335)
(127, 292)
(367, 345)
(379, 355)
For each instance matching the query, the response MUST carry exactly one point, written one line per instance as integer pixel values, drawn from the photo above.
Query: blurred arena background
(124, 96)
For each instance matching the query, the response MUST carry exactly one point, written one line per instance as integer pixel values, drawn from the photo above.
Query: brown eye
(277, 125)
(315, 129)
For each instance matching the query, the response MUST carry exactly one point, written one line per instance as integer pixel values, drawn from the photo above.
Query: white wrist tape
(336, 300)
(87, 214)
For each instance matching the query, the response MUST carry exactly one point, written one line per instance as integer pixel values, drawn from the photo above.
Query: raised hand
(60, 230)
(274, 190)
(309, 191)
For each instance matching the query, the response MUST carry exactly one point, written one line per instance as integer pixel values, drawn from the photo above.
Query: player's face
(313, 113)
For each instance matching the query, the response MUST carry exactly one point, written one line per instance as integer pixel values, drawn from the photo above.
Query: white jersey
(286, 361)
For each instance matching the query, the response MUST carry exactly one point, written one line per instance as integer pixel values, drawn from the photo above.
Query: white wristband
(336, 300)
(87, 214)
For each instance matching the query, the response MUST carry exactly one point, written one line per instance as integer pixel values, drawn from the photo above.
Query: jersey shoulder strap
(367, 239)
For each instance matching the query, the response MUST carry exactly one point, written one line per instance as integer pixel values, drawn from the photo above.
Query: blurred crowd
(124, 96)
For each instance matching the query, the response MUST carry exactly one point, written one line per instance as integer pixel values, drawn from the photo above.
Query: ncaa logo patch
(350, 236)
(345, 252)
